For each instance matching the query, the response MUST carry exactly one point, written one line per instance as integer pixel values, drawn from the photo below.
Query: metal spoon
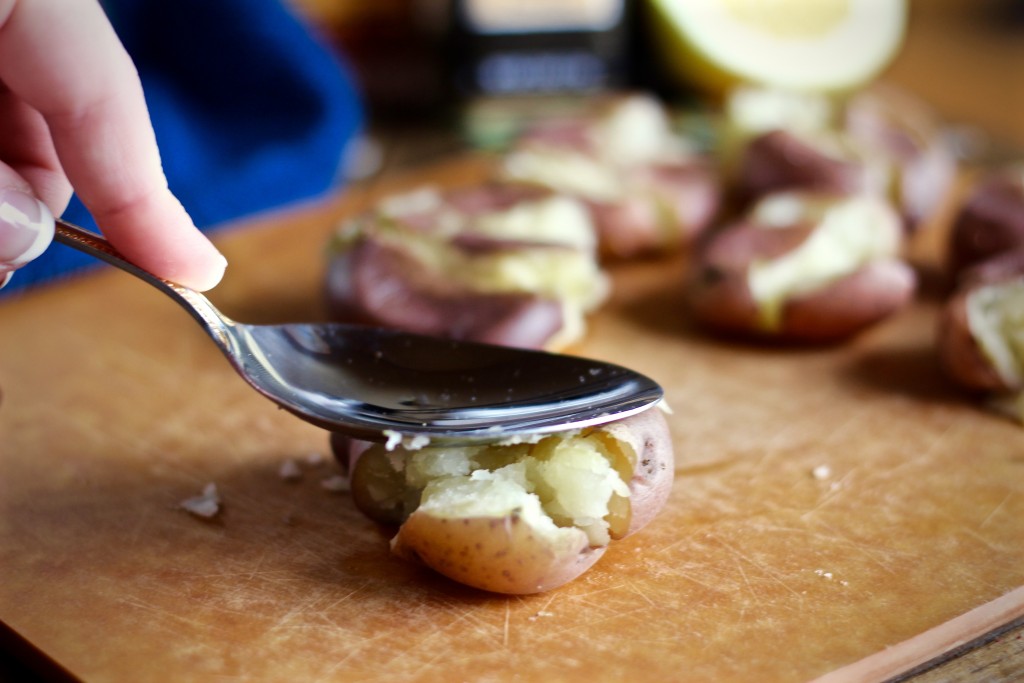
(378, 384)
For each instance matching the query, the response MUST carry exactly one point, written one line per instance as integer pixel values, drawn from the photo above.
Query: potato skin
(720, 298)
(718, 294)
(779, 160)
(904, 132)
(498, 554)
(850, 304)
(648, 435)
(678, 204)
(990, 222)
(1004, 266)
(346, 451)
(665, 202)
(504, 554)
(376, 283)
(959, 352)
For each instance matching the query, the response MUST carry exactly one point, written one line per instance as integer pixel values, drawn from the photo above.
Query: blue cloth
(251, 110)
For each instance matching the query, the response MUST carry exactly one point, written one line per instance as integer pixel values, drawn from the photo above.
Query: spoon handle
(213, 321)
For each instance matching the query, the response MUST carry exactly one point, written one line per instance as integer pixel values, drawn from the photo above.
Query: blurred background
(253, 114)
(423, 62)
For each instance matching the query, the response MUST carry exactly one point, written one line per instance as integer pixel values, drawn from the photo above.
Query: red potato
(803, 268)
(377, 283)
(961, 356)
(646, 190)
(750, 111)
(1005, 265)
(502, 553)
(991, 220)
(670, 207)
(900, 129)
(781, 160)
(878, 140)
(981, 329)
(518, 518)
(496, 263)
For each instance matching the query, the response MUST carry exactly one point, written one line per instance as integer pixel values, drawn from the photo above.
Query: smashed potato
(500, 264)
(803, 267)
(645, 188)
(516, 518)
(880, 140)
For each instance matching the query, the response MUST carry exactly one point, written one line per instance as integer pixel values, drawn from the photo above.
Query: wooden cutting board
(830, 506)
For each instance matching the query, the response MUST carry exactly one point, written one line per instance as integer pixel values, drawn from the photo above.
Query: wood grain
(116, 407)
(996, 657)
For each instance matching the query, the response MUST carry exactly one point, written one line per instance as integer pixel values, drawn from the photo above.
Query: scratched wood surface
(115, 407)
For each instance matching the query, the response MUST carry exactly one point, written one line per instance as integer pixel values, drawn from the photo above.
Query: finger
(26, 230)
(63, 58)
(29, 170)
(28, 160)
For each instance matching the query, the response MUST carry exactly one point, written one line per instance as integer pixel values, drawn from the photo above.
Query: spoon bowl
(380, 385)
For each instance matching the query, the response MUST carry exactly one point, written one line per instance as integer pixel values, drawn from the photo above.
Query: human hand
(73, 118)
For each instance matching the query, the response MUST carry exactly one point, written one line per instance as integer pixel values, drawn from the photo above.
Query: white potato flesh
(636, 131)
(566, 275)
(555, 485)
(751, 111)
(420, 200)
(557, 219)
(565, 170)
(995, 316)
(484, 493)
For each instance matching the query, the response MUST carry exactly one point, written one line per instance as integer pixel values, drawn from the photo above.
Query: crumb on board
(206, 505)
(830, 576)
(335, 484)
(540, 614)
(821, 472)
(314, 459)
(289, 470)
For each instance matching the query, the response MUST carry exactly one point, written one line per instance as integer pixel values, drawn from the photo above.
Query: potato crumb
(541, 614)
(821, 472)
(831, 577)
(417, 442)
(414, 442)
(335, 484)
(289, 470)
(205, 505)
(394, 439)
(314, 459)
(517, 439)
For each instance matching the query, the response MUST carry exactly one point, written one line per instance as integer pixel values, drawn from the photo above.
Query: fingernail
(5, 278)
(26, 227)
(222, 265)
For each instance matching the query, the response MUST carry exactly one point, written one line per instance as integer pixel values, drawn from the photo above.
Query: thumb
(26, 230)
